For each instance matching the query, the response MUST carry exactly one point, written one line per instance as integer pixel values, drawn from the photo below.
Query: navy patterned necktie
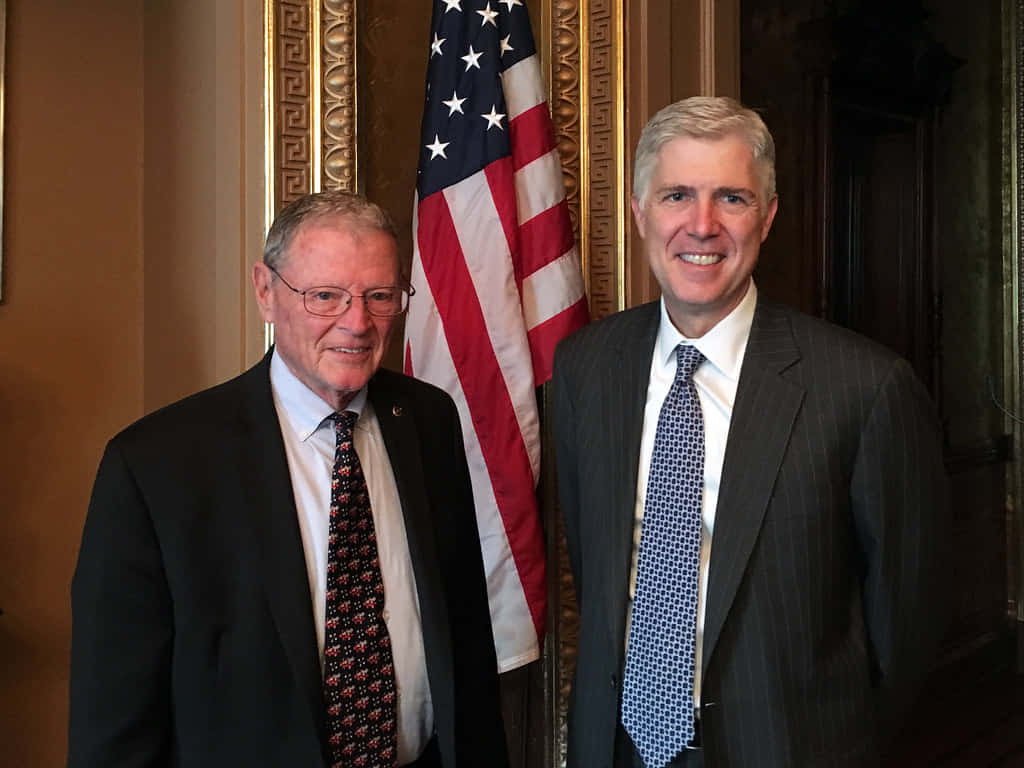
(657, 692)
(359, 677)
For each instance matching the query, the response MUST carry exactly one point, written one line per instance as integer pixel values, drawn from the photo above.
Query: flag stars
(454, 104)
(505, 47)
(510, 4)
(435, 46)
(455, 5)
(493, 118)
(437, 148)
(471, 58)
(489, 16)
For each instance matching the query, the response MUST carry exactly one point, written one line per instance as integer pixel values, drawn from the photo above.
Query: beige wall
(133, 128)
(72, 374)
(203, 137)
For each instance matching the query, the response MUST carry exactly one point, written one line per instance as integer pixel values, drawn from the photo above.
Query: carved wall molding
(312, 47)
(292, 143)
(603, 148)
(587, 109)
(566, 100)
(565, 105)
(339, 94)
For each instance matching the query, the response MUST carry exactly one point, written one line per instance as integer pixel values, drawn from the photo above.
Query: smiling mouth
(701, 259)
(350, 350)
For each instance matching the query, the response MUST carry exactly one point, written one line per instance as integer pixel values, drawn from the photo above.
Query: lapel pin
(396, 410)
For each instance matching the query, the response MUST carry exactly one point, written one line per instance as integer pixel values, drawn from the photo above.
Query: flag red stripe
(490, 406)
(545, 336)
(531, 135)
(501, 180)
(407, 365)
(545, 238)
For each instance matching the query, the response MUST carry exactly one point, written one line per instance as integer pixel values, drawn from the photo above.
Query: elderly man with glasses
(285, 569)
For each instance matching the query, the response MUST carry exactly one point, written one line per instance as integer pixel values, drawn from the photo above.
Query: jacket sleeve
(901, 509)
(121, 631)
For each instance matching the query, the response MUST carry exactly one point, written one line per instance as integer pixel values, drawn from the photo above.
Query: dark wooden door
(880, 267)
(888, 121)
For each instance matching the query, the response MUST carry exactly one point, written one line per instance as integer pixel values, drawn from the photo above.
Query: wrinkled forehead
(364, 242)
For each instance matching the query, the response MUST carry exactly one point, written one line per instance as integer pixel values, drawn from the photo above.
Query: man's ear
(262, 283)
(638, 215)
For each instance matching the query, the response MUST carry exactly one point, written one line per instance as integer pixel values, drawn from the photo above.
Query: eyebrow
(718, 191)
(742, 191)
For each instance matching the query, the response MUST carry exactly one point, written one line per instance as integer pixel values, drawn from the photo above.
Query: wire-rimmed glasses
(332, 300)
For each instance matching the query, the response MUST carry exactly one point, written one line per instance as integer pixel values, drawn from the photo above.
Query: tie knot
(688, 358)
(344, 421)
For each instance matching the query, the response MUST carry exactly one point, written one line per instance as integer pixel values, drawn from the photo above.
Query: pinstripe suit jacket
(822, 610)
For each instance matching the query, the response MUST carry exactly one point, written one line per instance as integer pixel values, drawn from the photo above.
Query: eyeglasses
(332, 301)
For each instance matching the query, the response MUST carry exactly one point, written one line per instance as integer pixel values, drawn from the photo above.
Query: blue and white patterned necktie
(657, 695)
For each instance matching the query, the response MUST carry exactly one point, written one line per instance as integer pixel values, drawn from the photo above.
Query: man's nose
(356, 319)
(704, 219)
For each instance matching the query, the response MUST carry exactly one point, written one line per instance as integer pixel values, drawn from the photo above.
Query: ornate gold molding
(339, 94)
(311, 51)
(565, 108)
(603, 141)
(588, 110)
(292, 108)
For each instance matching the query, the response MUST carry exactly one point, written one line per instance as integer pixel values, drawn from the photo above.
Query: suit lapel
(624, 403)
(403, 443)
(269, 505)
(762, 421)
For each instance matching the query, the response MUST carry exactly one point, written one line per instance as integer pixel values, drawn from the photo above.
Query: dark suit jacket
(823, 607)
(192, 626)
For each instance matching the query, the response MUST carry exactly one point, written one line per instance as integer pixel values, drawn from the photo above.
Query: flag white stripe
(551, 289)
(488, 258)
(522, 85)
(539, 186)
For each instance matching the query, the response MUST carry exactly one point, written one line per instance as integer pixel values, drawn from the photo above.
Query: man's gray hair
(703, 117)
(354, 210)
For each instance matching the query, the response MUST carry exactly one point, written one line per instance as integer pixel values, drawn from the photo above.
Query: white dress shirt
(715, 379)
(309, 442)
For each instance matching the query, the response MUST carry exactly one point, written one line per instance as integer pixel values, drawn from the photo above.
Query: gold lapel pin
(396, 410)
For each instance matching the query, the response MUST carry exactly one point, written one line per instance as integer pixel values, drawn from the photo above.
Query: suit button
(614, 680)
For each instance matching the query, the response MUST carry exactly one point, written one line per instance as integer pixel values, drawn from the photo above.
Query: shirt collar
(303, 408)
(723, 346)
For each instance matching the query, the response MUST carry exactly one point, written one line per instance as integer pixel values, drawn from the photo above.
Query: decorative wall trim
(568, 113)
(311, 68)
(339, 94)
(565, 110)
(603, 142)
(292, 107)
(588, 111)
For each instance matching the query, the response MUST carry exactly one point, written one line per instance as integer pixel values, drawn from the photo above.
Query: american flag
(497, 281)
